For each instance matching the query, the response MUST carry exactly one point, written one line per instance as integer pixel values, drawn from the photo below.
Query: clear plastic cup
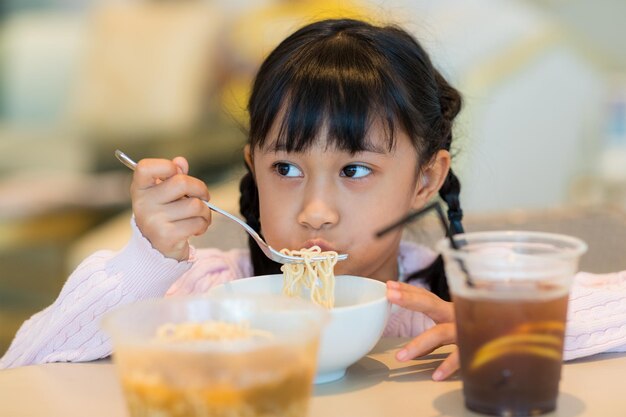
(257, 376)
(510, 293)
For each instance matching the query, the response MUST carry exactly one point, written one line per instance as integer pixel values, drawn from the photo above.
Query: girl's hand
(167, 205)
(443, 333)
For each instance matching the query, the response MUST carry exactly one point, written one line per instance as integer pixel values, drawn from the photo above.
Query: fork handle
(123, 158)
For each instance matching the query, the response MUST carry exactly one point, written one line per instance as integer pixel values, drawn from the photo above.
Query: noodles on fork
(316, 276)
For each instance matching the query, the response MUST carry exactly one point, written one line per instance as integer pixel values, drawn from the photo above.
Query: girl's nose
(318, 214)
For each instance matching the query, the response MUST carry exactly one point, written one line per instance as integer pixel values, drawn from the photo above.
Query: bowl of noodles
(232, 355)
(357, 306)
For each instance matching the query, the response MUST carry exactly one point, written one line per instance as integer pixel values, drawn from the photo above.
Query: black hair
(346, 73)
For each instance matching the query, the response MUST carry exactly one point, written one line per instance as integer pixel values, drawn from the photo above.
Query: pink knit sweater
(69, 330)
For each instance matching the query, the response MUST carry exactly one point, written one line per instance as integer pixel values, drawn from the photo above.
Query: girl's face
(338, 200)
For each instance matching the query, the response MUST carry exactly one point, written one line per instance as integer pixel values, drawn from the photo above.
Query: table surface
(377, 385)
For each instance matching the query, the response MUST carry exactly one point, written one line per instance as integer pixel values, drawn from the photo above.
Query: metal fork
(270, 252)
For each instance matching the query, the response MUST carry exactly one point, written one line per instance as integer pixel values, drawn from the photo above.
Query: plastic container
(510, 291)
(258, 376)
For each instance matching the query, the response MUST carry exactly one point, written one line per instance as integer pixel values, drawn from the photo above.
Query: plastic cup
(258, 376)
(510, 293)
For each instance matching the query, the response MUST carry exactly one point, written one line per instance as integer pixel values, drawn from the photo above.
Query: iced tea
(512, 352)
(510, 290)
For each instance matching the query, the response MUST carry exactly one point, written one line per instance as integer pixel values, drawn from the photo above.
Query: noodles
(217, 331)
(316, 276)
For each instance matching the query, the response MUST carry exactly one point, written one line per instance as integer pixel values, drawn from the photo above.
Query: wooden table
(377, 386)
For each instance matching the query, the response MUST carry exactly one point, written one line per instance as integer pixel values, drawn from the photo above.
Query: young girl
(350, 128)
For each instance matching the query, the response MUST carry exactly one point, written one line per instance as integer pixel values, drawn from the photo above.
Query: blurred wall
(534, 111)
(536, 76)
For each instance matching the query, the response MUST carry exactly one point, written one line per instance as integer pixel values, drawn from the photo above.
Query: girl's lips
(324, 246)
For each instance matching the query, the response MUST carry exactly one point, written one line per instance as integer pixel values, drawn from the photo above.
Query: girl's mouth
(324, 245)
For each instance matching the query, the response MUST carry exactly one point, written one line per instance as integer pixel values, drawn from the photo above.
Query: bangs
(339, 86)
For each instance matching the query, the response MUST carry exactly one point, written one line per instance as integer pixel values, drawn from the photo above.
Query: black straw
(416, 215)
(442, 219)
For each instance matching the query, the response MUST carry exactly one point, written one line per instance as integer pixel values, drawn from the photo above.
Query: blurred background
(540, 144)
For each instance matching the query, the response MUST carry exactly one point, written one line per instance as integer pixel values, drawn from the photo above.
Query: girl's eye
(355, 171)
(287, 170)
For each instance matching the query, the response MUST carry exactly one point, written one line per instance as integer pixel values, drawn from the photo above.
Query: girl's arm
(596, 318)
(69, 329)
(168, 210)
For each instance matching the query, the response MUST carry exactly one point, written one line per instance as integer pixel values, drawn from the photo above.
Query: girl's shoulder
(413, 256)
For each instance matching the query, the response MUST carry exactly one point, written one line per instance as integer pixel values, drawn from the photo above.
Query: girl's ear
(247, 156)
(431, 178)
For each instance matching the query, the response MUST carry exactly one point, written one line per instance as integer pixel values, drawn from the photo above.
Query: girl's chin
(341, 270)
(344, 269)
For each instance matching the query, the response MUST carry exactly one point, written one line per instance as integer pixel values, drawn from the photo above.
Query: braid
(449, 192)
(450, 102)
(249, 207)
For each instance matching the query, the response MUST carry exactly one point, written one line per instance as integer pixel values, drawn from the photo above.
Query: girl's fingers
(444, 333)
(420, 299)
(172, 238)
(167, 205)
(449, 366)
(181, 163)
(177, 187)
(194, 226)
(149, 172)
(425, 343)
(185, 208)
(409, 296)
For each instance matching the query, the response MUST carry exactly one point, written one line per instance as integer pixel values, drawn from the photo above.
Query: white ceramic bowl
(356, 324)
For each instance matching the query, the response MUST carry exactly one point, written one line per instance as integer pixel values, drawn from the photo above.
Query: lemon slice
(545, 345)
(541, 326)
(486, 356)
(524, 338)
